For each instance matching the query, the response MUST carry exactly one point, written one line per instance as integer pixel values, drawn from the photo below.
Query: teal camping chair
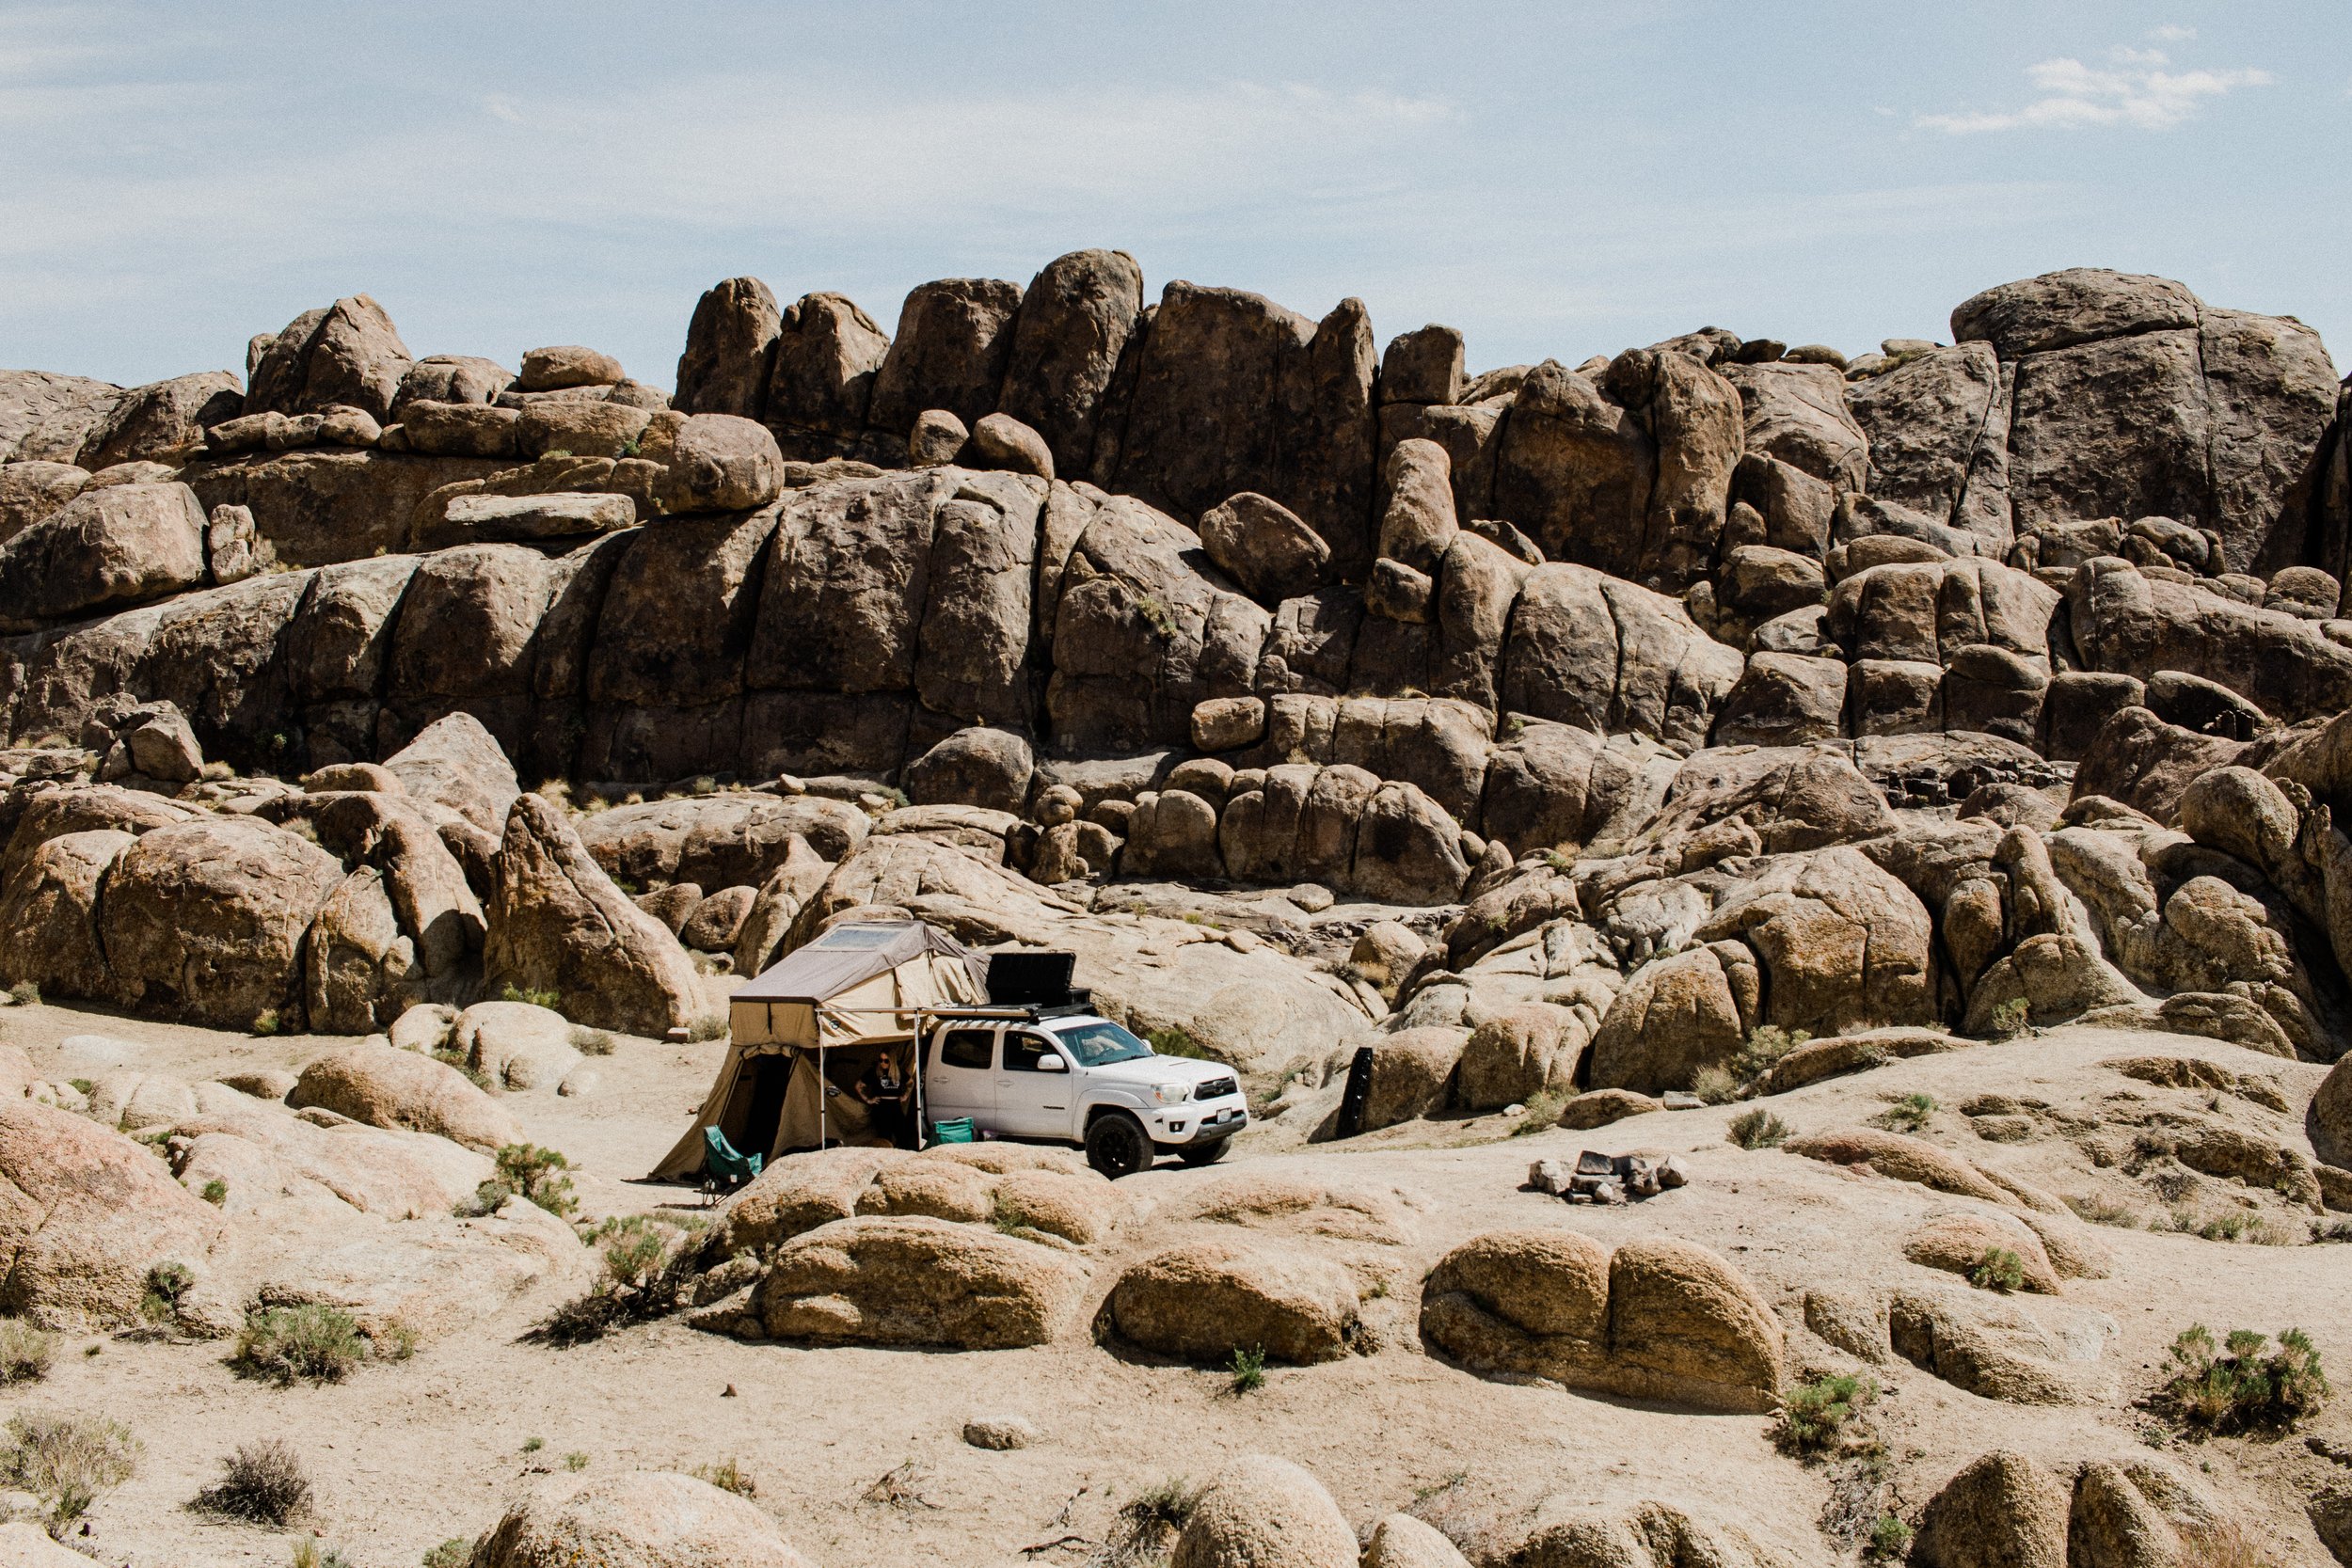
(723, 1167)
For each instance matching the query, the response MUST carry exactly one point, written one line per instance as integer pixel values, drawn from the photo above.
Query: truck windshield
(1094, 1044)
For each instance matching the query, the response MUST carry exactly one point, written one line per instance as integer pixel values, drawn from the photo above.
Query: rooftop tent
(815, 1021)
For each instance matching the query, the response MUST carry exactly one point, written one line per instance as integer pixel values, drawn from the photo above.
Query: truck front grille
(1217, 1088)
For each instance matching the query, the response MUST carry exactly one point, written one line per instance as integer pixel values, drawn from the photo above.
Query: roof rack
(1025, 1012)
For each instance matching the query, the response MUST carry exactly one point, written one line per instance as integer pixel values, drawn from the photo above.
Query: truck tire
(1117, 1146)
(1203, 1152)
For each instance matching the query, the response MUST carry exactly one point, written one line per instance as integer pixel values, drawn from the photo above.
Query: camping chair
(723, 1167)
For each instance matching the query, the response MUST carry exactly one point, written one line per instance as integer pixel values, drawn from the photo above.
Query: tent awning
(847, 956)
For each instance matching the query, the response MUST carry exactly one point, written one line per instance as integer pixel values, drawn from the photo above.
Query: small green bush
(1715, 1085)
(1907, 1115)
(66, 1462)
(1890, 1539)
(1816, 1416)
(2101, 1209)
(167, 1282)
(2245, 1384)
(533, 1445)
(708, 1026)
(532, 1171)
(310, 1554)
(449, 1055)
(456, 1552)
(265, 1022)
(282, 1344)
(1542, 1113)
(1148, 1524)
(261, 1482)
(2011, 1017)
(25, 1352)
(551, 999)
(575, 1462)
(592, 1042)
(24, 994)
(1249, 1368)
(215, 1192)
(1998, 1269)
(1758, 1129)
(727, 1475)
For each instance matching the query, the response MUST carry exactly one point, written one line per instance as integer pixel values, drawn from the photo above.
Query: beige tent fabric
(875, 981)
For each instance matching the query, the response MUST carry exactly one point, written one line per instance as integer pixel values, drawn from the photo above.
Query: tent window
(858, 936)
(966, 1048)
(1024, 1052)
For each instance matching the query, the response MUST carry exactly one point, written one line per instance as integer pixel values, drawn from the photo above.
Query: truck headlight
(1172, 1094)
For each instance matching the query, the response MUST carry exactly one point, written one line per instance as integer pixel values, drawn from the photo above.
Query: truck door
(1032, 1102)
(958, 1077)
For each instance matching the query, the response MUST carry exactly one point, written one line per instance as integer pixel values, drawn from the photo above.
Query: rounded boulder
(1202, 1300)
(643, 1519)
(385, 1086)
(1264, 1513)
(916, 1281)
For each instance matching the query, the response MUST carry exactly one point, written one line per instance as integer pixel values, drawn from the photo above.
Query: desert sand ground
(408, 1455)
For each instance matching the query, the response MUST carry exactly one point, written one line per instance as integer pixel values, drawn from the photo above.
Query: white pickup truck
(1079, 1079)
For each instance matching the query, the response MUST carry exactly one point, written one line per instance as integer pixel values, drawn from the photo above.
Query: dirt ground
(410, 1454)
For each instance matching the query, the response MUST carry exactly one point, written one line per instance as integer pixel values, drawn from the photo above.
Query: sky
(1553, 179)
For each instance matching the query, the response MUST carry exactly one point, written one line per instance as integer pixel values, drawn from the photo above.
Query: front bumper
(1192, 1123)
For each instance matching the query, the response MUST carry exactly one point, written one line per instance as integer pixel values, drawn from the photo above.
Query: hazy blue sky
(1555, 179)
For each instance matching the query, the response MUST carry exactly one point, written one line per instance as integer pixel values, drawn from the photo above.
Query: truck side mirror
(1052, 1061)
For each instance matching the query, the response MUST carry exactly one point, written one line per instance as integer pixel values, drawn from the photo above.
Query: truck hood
(1146, 1070)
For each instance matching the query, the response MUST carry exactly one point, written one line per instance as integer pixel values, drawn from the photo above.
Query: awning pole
(824, 1088)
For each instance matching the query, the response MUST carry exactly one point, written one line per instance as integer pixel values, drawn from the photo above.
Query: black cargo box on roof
(1031, 979)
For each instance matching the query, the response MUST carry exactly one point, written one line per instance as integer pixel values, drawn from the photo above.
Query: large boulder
(821, 378)
(1843, 945)
(31, 491)
(638, 1519)
(556, 922)
(721, 840)
(49, 915)
(455, 763)
(954, 338)
(1604, 654)
(1519, 1052)
(2330, 1120)
(1931, 447)
(1074, 324)
(2127, 622)
(892, 1280)
(203, 923)
(1203, 1301)
(346, 354)
(360, 971)
(729, 343)
(162, 420)
(1260, 1512)
(721, 463)
(1263, 545)
(85, 1212)
(387, 1087)
(1654, 1320)
(1677, 1017)
(2001, 1511)
(974, 767)
(114, 545)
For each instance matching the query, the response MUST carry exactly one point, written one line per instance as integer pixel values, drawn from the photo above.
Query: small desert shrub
(1758, 1129)
(1543, 1111)
(575, 1462)
(167, 1282)
(285, 1343)
(25, 1352)
(1890, 1539)
(727, 1475)
(24, 994)
(1249, 1368)
(1907, 1115)
(215, 1192)
(551, 999)
(1148, 1524)
(449, 1055)
(2101, 1209)
(310, 1554)
(645, 1275)
(533, 1445)
(710, 1026)
(261, 1482)
(1715, 1085)
(456, 1552)
(2331, 1230)
(2011, 1017)
(2244, 1383)
(1998, 1269)
(532, 1171)
(1176, 1040)
(265, 1022)
(592, 1042)
(1815, 1419)
(66, 1462)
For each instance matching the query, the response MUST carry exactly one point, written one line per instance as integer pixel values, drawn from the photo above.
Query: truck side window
(966, 1048)
(1024, 1052)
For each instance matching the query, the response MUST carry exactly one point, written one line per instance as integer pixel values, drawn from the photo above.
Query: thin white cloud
(2173, 33)
(2140, 96)
(500, 108)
